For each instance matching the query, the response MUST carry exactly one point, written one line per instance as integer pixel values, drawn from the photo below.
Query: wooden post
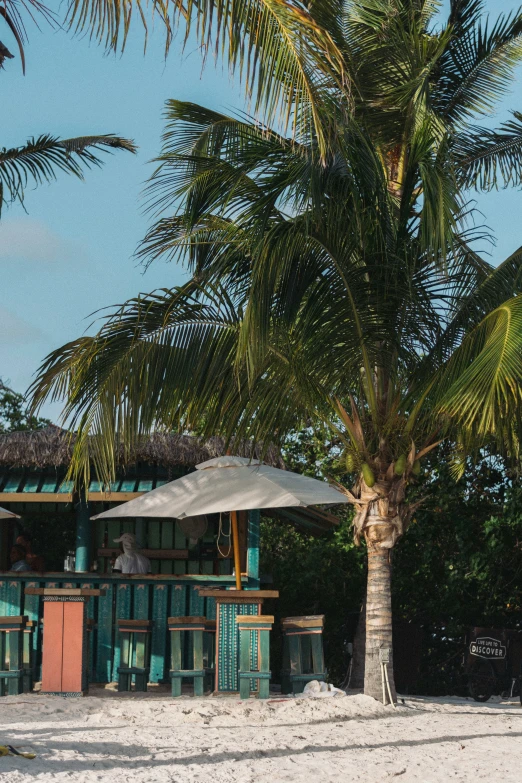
(83, 536)
(237, 557)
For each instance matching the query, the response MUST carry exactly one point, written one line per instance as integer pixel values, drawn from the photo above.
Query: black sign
(487, 647)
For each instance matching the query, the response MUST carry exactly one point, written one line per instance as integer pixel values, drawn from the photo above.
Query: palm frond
(486, 159)
(42, 158)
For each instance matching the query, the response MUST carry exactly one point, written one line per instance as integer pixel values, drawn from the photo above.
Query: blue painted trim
(83, 537)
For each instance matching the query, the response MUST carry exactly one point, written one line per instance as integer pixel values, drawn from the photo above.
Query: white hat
(127, 538)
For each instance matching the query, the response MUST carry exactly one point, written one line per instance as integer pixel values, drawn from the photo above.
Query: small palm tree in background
(41, 158)
(336, 272)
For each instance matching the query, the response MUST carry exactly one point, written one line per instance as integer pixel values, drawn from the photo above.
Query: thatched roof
(52, 447)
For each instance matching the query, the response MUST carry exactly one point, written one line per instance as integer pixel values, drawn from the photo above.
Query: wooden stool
(303, 658)
(259, 625)
(134, 637)
(196, 626)
(15, 655)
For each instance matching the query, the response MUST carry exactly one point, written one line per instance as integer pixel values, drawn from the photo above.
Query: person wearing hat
(130, 562)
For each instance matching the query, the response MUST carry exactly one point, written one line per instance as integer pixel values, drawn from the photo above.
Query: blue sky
(70, 252)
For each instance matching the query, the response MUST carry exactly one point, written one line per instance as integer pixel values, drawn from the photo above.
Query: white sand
(151, 737)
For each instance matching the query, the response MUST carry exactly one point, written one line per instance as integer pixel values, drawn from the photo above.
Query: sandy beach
(150, 737)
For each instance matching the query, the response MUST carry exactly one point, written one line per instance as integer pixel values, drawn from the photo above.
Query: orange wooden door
(52, 652)
(72, 666)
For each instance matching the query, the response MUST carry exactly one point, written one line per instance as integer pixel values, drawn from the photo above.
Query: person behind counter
(36, 562)
(18, 558)
(131, 561)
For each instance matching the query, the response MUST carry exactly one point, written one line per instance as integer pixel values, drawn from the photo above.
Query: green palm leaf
(42, 158)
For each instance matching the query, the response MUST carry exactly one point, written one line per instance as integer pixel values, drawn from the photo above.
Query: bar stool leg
(15, 684)
(141, 644)
(124, 680)
(3, 663)
(296, 667)
(27, 662)
(244, 662)
(198, 663)
(175, 657)
(264, 664)
(316, 642)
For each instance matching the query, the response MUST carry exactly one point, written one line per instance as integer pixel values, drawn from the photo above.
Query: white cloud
(26, 239)
(17, 331)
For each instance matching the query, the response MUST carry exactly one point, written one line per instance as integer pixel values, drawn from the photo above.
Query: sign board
(487, 647)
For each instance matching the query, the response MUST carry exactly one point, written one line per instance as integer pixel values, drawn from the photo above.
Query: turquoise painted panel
(254, 521)
(145, 485)
(3, 599)
(178, 601)
(123, 611)
(104, 644)
(160, 595)
(66, 487)
(49, 484)
(127, 485)
(32, 609)
(31, 483)
(13, 597)
(90, 609)
(141, 601)
(13, 484)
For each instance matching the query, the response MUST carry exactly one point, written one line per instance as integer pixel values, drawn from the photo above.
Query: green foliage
(460, 565)
(322, 575)
(14, 414)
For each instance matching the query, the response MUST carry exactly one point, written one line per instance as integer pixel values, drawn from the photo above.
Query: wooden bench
(254, 635)
(134, 641)
(15, 655)
(303, 658)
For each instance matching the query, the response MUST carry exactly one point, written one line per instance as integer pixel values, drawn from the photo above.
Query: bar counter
(153, 597)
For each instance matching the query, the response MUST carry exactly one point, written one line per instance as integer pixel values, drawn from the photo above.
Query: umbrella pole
(235, 540)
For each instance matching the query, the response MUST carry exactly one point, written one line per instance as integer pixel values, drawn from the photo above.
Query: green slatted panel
(180, 542)
(178, 601)
(32, 608)
(127, 485)
(140, 610)
(13, 598)
(49, 484)
(144, 485)
(95, 486)
(115, 485)
(12, 484)
(104, 642)
(196, 603)
(161, 482)
(167, 542)
(160, 596)
(113, 531)
(3, 599)
(207, 567)
(210, 612)
(31, 483)
(90, 612)
(180, 567)
(154, 541)
(123, 611)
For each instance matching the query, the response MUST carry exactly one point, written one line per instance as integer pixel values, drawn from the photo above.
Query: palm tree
(40, 159)
(336, 277)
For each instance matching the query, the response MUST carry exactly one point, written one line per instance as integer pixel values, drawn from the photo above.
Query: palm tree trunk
(378, 622)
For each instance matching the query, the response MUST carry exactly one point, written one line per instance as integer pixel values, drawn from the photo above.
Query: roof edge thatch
(52, 447)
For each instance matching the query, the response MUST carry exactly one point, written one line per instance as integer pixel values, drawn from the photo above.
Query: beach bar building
(33, 466)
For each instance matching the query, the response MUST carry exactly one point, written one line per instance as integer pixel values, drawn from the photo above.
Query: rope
(225, 535)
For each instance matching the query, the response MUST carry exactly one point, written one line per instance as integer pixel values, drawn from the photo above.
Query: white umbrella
(5, 514)
(228, 484)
